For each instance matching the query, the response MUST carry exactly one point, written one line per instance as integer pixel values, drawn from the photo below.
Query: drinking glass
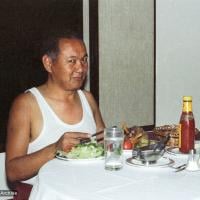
(193, 161)
(113, 144)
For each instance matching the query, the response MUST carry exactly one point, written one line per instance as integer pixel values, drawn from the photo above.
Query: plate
(175, 151)
(83, 159)
(127, 150)
(162, 162)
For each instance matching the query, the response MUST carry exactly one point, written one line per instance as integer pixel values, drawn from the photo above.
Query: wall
(86, 36)
(177, 58)
(126, 61)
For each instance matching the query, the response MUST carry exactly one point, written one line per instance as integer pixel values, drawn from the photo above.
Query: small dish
(175, 151)
(148, 156)
(128, 151)
(152, 153)
(162, 162)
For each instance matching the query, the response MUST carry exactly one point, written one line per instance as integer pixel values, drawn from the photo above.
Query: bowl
(152, 153)
(148, 155)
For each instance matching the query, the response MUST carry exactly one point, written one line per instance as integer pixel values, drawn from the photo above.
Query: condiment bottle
(187, 126)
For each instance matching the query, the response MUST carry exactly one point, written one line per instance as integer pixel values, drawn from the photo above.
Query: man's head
(50, 44)
(65, 60)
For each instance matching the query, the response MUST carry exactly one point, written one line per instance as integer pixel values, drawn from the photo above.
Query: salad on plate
(90, 150)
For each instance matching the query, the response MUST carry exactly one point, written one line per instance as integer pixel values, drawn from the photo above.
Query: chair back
(3, 182)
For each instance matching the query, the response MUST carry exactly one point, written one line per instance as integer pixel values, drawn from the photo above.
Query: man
(53, 116)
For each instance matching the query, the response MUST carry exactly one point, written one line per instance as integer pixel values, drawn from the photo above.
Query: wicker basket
(173, 130)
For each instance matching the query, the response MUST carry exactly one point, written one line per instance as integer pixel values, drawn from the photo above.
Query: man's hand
(69, 140)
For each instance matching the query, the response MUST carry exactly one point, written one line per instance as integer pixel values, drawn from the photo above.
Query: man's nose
(80, 65)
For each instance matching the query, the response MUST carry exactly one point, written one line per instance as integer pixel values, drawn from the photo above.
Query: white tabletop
(66, 180)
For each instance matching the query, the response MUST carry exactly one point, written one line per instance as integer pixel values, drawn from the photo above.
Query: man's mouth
(79, 78)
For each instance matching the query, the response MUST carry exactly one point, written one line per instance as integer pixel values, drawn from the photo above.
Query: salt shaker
(193, 161)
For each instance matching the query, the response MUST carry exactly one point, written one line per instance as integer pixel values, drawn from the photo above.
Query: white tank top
(53, 127)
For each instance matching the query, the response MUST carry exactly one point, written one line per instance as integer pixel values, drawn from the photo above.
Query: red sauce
(187, 132)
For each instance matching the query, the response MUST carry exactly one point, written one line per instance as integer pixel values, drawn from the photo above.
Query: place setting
(146, 149)
(133, 147)
(88, 150)
(160, 149)
(176, 152)
(150, 155)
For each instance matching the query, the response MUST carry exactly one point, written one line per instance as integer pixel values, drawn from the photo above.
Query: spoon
(161, 144)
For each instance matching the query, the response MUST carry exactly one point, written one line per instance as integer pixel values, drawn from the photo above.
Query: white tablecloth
(66, 180)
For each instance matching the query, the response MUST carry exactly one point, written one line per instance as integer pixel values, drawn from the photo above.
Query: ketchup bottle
(187, 125)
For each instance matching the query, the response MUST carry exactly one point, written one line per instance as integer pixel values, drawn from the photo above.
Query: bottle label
(179, 135)
(187, 117)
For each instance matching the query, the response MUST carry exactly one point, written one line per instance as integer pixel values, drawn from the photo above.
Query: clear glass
(113, 144)
(193, 161)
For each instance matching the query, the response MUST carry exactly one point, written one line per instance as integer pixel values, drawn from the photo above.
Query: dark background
(22, 25)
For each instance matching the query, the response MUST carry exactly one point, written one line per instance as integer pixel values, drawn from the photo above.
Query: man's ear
(47, 63)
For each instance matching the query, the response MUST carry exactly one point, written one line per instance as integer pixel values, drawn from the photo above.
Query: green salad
(84, 151)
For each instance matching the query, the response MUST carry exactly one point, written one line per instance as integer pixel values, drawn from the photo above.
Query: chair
(3, 182)
(23, 190)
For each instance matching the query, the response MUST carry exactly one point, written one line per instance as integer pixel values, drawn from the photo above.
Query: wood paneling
(94, 48)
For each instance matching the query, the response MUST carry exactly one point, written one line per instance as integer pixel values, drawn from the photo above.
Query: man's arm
(19, 165)
(96, 112)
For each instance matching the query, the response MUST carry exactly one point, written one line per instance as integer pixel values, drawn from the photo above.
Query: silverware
(159, 146)
(179, 168)
(82, 141)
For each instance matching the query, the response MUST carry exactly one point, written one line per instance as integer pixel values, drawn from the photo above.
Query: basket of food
(173, 131)
(135, 137)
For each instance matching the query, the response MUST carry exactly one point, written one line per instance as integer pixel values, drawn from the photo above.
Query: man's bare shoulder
(90, 99)
(23, 100)
(96, 112)
(88, 95)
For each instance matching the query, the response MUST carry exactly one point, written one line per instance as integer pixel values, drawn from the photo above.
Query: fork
(82, 141)
(179, 168)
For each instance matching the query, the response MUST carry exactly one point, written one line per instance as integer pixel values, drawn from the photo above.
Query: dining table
(66, 179)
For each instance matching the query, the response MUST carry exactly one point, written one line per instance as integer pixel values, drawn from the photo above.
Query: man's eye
(84, 60)
(72, 61)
